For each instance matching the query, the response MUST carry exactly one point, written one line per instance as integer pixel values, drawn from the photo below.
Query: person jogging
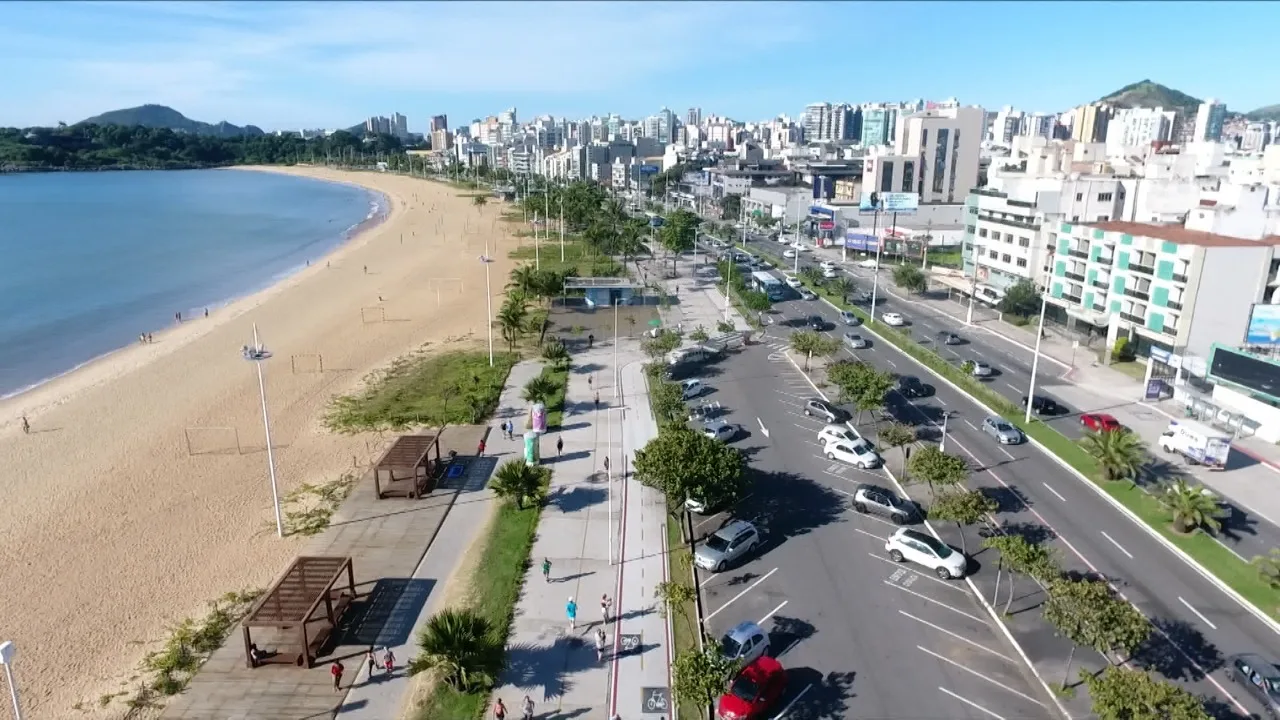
(546, 570)
(571, 609)
(527, 707)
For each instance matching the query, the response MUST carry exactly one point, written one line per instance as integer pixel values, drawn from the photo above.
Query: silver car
(744, 642)
(854, 341)
(1002, 430)
(726, 546)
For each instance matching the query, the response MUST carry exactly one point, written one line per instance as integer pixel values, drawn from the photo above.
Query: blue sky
(330, 64)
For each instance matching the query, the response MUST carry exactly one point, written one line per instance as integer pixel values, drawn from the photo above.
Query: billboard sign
(1251, 372)
(860, 241)
(1264, 326)
(900, 203)
(821, 210)
(823, 188)
(648, 170)
(826, 225)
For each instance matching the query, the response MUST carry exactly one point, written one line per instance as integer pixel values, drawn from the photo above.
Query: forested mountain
(160, 116)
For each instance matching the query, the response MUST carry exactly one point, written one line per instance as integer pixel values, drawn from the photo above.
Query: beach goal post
(373, 314)
(307, 363)
(212, 441)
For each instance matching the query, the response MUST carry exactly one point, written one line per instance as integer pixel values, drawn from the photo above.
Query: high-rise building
(1257, 136)
(1090, 123)
(816, 120)
(667, 128)
(1138, 128)
(507, 117)
(1008, 125)
(945, 144)
(876, 120)
(1209, 120)
(693, 117)
(439, 122)
(399, 126)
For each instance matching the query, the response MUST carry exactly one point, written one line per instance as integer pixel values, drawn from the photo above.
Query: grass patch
(1132, 368)
(309, 508)
(558, 374)
(580, 259)
(494, 591)
(421, 389)
(684, 621)
(1207, 551)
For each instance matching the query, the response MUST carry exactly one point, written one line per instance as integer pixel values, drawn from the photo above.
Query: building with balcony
(1002, 244)
(1165, 286)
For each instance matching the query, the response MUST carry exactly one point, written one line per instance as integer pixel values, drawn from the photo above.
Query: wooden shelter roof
(296, 594)
(408, 451)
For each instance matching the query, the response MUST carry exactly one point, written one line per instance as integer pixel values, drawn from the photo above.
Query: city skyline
(292, 65)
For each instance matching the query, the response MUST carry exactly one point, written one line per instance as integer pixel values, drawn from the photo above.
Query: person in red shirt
(480, 448)
(499, 710)
(336, 670)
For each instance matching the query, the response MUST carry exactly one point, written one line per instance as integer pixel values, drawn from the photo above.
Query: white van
(988, 294)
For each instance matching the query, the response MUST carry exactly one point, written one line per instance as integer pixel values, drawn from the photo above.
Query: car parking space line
(943, 583)
(749, 588)
(941, 401)
(977, 674)
(794, 700)
(971, 704)
(859, 470)
(1197, 612)
(870, 534)
(1055, 492)
(869, 516)
(966, 422)
(1006, 452)
(961, 638)
(1011, 387)
(1118, 545)
(772, 613)
(710, 577)
(926, 598)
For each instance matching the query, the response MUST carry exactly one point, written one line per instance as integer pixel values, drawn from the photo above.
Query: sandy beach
(110, 530)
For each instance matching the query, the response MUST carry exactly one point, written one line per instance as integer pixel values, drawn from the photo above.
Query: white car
(793, 281)
(856, 452)
(690, 389)
(833, 433)
(869, 263)
(893, 319)
(789, 253)
(720, 430)
(981, 369)
(945, 561)
(829, 273)
(799, 247)
(807, 294)
(827, 265)
(781, 240)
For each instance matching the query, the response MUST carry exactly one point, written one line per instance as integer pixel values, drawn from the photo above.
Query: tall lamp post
(488, 298)
(1035, 361)
(257, 354)
(875, 280)
(622, 414)
(7, 649)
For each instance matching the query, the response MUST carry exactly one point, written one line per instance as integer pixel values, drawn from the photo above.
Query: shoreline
(33, 400)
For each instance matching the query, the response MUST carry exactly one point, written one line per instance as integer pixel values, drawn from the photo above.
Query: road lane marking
(1006, 452)
(750, 587)
(941, 401)
(870, 534)
(1197, 612)
(794, 700)
(1017, 390)
(710, 577)
(1119, 547)
(772, 613)
(971, 703)
(966, 422)
(763, 429)
(976, 674)
(891, 362)
(1055, 492)
(936, 602)
(961, 638)
(943, 583)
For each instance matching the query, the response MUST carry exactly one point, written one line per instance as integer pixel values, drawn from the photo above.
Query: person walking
(571, 609)
(606, 464)
(589, 381)
(546, 570)
(372, 661)
(480, 447)
(597, 401)
(605, 604)
(527, 707)
(600, 641)
(26, 426)
(499, 710)
(388, 661)
(591, 340)
(336, 670)
(559, 446)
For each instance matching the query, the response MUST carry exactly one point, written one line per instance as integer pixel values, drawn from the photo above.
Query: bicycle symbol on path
(655, 700)
(630, 643)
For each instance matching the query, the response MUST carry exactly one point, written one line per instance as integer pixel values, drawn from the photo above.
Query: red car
(755, 689)
(1100, 422)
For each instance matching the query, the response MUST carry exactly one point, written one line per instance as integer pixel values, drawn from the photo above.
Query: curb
(1227, 590)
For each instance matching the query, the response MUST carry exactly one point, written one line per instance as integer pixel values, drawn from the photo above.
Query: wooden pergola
(303, 596)
(411, 458)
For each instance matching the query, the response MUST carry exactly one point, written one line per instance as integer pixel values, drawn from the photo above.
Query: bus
(768, 284)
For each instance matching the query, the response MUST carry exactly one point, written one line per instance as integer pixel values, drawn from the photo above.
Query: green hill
(1270, 113)
(160, 116)
(1150, 94)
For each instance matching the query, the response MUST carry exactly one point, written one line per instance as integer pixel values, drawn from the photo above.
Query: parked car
(829, 273)
(1002, 430)
(720, 430)
(893, 319)
(863, 297)
(827, 265)
(880, 501)
(1042, 405)
(1259, 677)
(692, 388)
(822, 409)
(726, 546)
(848, 318)
(789, 253)
(799, 246)
(854, 341)
(949, 338)
(857, 452)
(909, 545)
(831, 433)
(909, 386)
(869, 263)
(981, 369)
(754, 691)
(806, 294)
(1100, 422)
(744, 642)
(793, 281)
(816, 323)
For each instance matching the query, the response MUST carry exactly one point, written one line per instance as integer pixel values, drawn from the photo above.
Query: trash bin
(538, 418)
(531, 449)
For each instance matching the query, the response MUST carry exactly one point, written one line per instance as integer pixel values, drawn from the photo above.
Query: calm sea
(90, 260)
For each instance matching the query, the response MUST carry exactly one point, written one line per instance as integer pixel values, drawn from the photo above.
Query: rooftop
(1180, 235)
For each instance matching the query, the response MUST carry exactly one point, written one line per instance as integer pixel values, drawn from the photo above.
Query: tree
(1022, 298)
(1190, 507)
(730, 207)
(667, 402)
(1121, 693)
(897, 435)
(554, 352)
(861, 384)
(1268, 567)
(764, 222)
(909, 278)
(479, 201)
(842, 286)
(520, 480)
(540, 388)
(523, 278)
(1119, 453)
(510, 322)
(962, 508)
(1088, 614)
(811, 275)
(676, 596)
(683, 463)
(678, 233)
(937, 468)
(809, 343)
(755, 301)
(699, 334)
(701, 675)
(459, 644)
(1021, 557)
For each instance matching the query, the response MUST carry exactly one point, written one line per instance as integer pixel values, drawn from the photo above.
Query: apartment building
(1001, 244)
(1133, 130)
(1089, 123)
(943, 146)
(1210, 117)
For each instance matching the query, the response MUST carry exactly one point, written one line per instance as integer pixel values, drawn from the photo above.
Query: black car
(909, 386)
(815, 322)
(949, 338)
(1260, 677)
(1042, 405)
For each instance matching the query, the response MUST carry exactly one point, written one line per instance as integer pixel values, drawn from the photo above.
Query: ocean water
(88, 261)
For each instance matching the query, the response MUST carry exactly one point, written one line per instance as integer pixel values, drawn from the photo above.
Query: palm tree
(458, 643)
(1191, 507)
(812, 275)
(511, 322)
(844, 287)
(540, 389)
(554, 352)
(517, 479)
(523, 277)
(1119, 453)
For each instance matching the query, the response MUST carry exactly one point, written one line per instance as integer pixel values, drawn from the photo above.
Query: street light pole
(942, 446)
(257, 354)
(488, 298)
(6, 659)
(1035, 361)
(875, 280)
(562, 226)
(973, 289)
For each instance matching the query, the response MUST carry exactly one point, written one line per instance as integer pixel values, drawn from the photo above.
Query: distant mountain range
(160, 116)
(1146, 93)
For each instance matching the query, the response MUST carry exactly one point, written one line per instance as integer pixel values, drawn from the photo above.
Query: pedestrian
(588, 381)
(149, 338)
(559, 446)
(527, 707)
(499, 710)
(373, 662)
(546, 570)
(591, 339)
(605, 603)
(142, 338)
(388, 661)
(206, 310)
(600, 640)
(26, 426)
(571, 609)
(366, 269)
(177, 316)
(480, 447)
(606, 464)
(597, 401)
(336, 670)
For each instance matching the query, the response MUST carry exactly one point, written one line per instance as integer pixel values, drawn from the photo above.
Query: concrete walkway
(588, 519)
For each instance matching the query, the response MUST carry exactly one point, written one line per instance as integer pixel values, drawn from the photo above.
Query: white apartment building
(1257, 136)
(1132, 130)
(1007, 126)
(938, 149)
(1210, 118)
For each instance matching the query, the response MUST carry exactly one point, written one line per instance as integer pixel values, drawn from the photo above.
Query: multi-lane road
(890, 641)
